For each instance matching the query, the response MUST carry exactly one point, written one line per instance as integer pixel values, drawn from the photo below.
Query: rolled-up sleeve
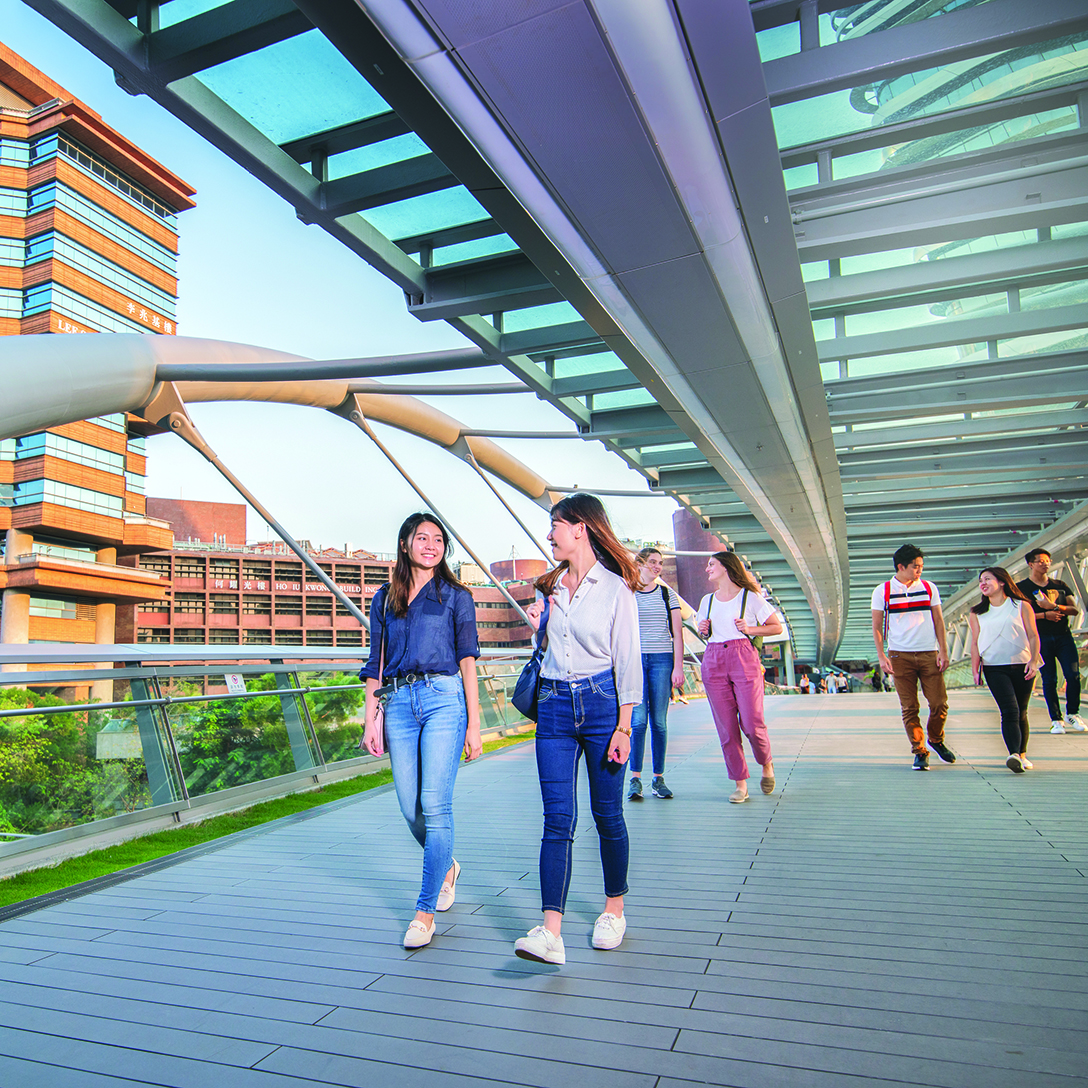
(372, 668)
(626, 649)
(465, 639)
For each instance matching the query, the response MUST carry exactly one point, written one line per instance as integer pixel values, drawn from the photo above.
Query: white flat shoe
(449, 889)
(417, 934)
(1025, 762)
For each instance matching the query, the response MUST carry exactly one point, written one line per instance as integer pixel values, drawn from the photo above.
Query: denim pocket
(604, 685)
(545, 692)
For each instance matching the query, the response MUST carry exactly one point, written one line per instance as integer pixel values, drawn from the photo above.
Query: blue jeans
(656, 692)
(578, 717)
(1060, 650)
(425, 726)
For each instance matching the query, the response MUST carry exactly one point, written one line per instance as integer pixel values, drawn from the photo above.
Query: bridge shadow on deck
(866, 924)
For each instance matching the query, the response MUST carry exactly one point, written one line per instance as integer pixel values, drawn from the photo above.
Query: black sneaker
(921, 761)
(660, 789)
(634, 791)
(943, 751)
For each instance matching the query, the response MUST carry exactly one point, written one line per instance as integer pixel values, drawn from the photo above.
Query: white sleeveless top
(1002, 639)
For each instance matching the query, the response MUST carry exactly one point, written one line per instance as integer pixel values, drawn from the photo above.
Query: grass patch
(35, 882)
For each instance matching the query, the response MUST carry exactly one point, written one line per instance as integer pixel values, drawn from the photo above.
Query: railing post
(165, 787)
(300, 731)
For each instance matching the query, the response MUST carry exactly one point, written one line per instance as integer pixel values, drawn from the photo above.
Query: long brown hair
(590, 511)
(400, 583)
(1007, 584)
(739, 574)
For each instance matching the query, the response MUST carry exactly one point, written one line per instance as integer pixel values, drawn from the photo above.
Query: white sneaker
(1076, 723)
(608, 930)
(448, 892)
(1025, 762)
(1057, 726)
(542, 945)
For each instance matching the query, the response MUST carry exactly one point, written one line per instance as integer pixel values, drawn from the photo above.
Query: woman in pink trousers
(730, 618)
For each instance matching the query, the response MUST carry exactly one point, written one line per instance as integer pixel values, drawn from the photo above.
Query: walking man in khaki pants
(907, 615)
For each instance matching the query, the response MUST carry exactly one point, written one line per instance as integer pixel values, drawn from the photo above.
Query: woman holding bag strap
(732, 672)
(423, 646)
(591, 679)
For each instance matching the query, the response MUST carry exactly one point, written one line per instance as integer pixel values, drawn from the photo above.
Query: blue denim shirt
(434, 636)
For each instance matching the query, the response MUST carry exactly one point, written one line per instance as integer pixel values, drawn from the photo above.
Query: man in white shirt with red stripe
(907, 612)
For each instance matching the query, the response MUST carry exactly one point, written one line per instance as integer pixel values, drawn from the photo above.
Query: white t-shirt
(912, 630)
(723, 614)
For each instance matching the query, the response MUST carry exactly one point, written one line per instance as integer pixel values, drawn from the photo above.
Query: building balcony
(77, 578)
(143, 534)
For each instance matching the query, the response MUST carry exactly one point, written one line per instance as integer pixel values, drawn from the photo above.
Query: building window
(319, 606)
(288, 638)
(62, 549)
(319, 638)
(153, 606)
(256, 638)
(75, 498)
(223, 635)
(52, 609)
(288, 606)
(224, 603)
(223, 568)
(349, 638)
(187, 566)
(192, 603)
(158, 564)
(375, 576)
(189, 635)
(288, 572)
(68, 449)
(153, 634)
(134, 482)
(253, 605)
(348, 574)
(341, 608)
(256, 570)
(54, 296)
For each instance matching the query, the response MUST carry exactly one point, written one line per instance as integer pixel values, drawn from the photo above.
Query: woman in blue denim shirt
(426, 621)
(591, 679)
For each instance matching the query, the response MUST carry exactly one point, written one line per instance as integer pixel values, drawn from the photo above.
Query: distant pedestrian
(805, 684)
(1053, 603)
(1005, 649)
(732, 670)
(661, 636)
(423, 652)
(591, 681)
(907, 615)
(877, 679)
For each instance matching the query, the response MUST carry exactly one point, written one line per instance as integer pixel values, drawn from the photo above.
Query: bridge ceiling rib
(886, 340)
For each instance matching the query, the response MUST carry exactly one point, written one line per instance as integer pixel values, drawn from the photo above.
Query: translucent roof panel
(857, 20)
(430, 212)
(177, 11)
(627, 398)
(600, 363)
(540, 317)
(478, 247)
(360, 159)
(295, 88)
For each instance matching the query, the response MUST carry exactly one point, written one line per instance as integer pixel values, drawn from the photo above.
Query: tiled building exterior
(88, 243)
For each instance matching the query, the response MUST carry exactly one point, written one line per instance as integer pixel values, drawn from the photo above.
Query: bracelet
(625, 730)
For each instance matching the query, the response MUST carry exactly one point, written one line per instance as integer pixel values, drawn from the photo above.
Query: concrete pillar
(105, 621)
(15, 614)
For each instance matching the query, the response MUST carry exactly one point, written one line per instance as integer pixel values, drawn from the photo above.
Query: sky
(250, 272)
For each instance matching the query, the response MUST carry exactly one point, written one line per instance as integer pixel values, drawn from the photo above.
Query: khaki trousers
(908, 669)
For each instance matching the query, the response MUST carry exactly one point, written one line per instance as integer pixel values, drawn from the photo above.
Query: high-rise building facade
(88, 243)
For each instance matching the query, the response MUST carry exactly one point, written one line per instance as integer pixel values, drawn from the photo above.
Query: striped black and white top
(653, 621)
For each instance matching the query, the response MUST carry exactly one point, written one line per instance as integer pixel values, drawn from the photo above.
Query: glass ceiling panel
(295, 88)
(911, 317)
(1069, 340)
(480, 247)
(933, 90)
(627, 398)
(904, 362)
(429, 212)
(540, 317)
(360, 159)
(599, 363)
(177, 11)
(856, 20)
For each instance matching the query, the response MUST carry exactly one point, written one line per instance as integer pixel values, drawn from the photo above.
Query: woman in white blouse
(591, 679)
(732, 671)
(1005, 648)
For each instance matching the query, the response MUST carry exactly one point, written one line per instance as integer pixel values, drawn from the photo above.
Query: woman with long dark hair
(591, 679)
(423, 650)
(1005, 649)
(732, 671)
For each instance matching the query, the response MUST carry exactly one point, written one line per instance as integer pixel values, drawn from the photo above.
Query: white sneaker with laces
(1057, 726)
(542, 945)
(608, 930)
(1076, 723)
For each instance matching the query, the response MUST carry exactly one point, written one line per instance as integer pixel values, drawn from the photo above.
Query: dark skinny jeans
(1012, 693)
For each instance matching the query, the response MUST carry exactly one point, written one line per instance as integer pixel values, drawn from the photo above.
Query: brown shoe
(766, 783)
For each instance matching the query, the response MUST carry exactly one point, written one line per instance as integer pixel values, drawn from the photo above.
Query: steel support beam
(385, 185)
(486, 285)
(335, 141)
(980, 426)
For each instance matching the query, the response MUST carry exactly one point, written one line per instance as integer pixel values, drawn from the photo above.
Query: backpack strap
(887, 607)
(668, 611)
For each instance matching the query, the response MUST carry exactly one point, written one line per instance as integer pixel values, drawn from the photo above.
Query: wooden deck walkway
(865, 925)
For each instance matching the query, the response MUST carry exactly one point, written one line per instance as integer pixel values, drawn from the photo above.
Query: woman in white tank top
(1005, 649)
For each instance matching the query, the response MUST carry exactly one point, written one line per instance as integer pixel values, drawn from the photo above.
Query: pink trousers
(733, 679)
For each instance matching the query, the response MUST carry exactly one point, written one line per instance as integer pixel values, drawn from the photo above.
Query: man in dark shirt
(1054, 602)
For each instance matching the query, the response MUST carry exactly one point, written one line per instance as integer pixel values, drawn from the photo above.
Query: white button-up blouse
(594, 631)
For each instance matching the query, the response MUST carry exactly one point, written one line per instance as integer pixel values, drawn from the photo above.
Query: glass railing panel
(335, 712)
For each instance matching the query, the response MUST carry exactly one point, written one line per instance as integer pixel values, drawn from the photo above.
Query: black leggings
(1011, 692)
